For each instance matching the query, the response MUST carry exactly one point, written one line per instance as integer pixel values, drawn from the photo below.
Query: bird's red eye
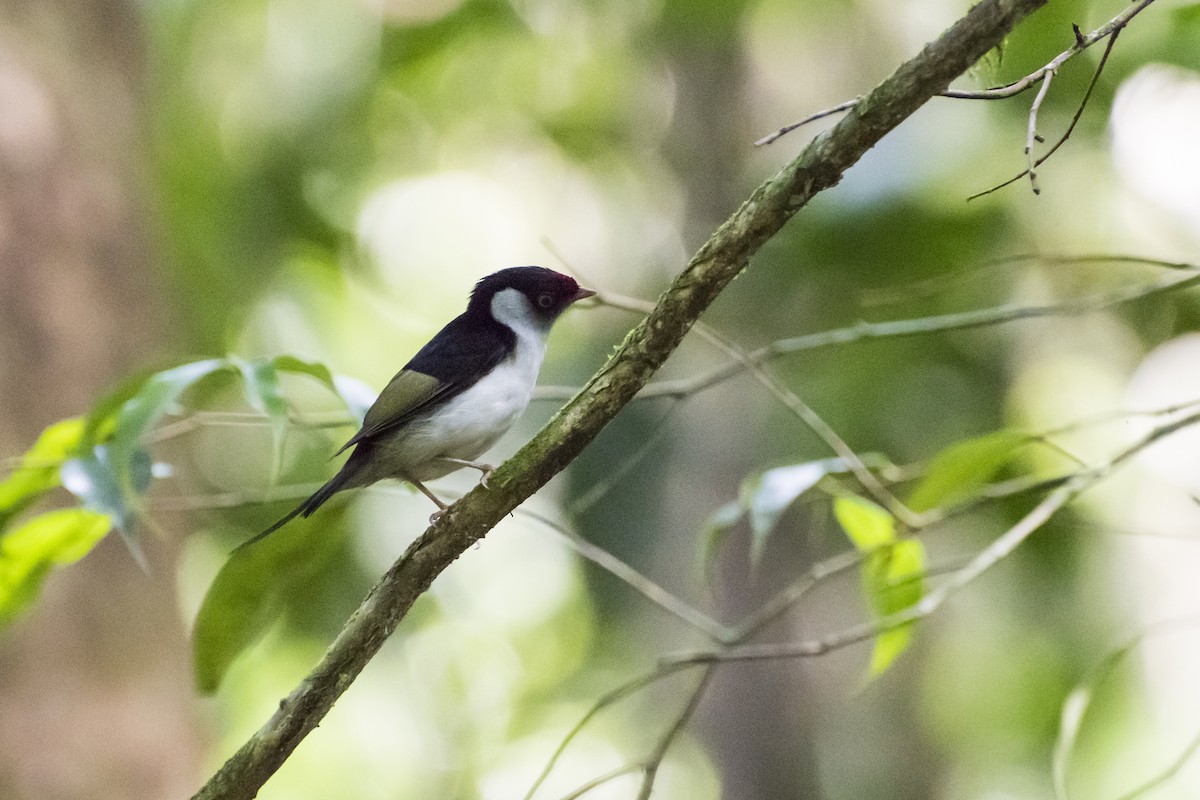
(545, 300)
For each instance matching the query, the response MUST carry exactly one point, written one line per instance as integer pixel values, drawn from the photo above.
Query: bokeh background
(186, 178)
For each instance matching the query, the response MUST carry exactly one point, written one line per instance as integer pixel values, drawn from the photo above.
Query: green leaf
(764, 498)
(354, 394)
(868, 526)
(260, 383)
(112, 476)
(894, 580)
(101, 418)
(314, 369)
(37, 473)
(773, 492)
(252, 589)
(240, 606)
(29, 551)
(141, 412)
(95, 480)
(963, 468)
(1078, 702)
(892, 574)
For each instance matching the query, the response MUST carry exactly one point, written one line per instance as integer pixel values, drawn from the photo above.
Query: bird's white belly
(467, 425)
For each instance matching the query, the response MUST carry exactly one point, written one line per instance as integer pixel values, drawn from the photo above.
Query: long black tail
(315, 501)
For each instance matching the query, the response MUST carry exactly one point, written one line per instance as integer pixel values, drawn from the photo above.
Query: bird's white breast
(476, 419)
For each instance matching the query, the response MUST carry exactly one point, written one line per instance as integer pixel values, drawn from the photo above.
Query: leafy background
(313, 185)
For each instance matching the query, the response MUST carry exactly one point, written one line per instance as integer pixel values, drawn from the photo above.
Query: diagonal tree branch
(646, 347)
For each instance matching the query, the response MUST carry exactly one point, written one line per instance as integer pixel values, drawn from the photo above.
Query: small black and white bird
(460, 393)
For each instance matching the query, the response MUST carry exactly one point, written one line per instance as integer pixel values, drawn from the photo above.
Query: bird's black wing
(459, 355)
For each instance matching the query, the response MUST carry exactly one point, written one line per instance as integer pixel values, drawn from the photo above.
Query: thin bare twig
(610, 698)
(939, 284)
(786, 129)
(792, 594)
(938, 323)
(1082, 42)
(643, 585)
(817, 424)
(987, 558)
(600, 780)
(654, 762)
(1032, 135)
(1112, 40)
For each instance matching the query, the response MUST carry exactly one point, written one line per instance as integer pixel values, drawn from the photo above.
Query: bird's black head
(548, 292)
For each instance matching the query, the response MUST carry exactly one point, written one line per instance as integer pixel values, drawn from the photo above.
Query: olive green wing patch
(406, 395)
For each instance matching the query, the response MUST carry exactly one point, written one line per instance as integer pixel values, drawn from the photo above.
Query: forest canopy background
(196, 179)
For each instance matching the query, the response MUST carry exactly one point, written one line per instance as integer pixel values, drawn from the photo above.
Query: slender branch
(726, 254)
(918, 326)
(786, 129)
(1112, 40)
(814, 421)
(664, 744)
(792, 594)
(1082, 42)
(600, 780)
(199, 419)
(602, 487)
(1032, 134)
(612, 697)
(985, 560)
(643, 585)
(932, 287)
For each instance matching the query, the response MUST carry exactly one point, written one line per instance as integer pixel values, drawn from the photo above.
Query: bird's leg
(441, 506)
(486, 469)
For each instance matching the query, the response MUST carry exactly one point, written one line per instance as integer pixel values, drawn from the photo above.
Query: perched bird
(460, 393)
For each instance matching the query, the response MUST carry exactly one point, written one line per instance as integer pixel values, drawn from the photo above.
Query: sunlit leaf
(892, 574)
(868, 526)
(37, 471)
(260, 383)
(251, 590)
(29, 551)
(893, 579)
(963, 468)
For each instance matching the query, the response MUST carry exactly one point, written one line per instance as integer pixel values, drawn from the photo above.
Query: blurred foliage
(329, 178)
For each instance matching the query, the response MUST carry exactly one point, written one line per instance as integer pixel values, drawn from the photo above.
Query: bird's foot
(435, 516)
(486, 469)
(487, 473)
